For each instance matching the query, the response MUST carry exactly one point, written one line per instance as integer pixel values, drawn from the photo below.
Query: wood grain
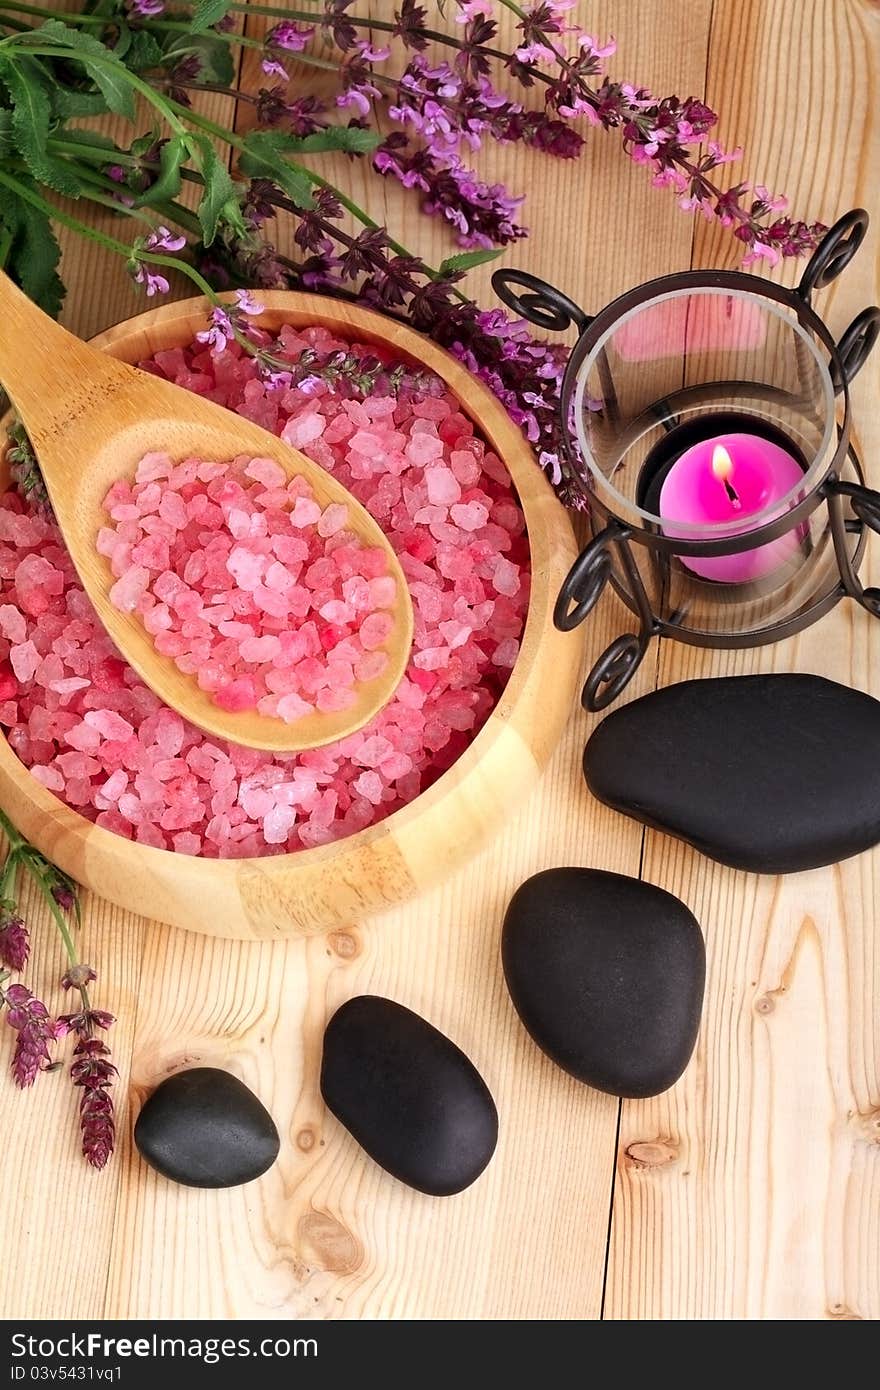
(752, 1189)
(748, 1190)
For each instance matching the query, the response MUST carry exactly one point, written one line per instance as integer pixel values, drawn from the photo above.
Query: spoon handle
(53, 379)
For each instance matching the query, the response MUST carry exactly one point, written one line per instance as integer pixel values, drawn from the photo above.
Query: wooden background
(752, 1189)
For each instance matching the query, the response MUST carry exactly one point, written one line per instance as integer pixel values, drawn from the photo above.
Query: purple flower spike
(291, 37)
(36, 1030)
(15, 942)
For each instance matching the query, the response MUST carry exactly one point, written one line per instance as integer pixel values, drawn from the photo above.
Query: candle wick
(732, 495)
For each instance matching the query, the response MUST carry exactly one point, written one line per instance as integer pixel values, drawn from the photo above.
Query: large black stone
(766, 773)
(607, 975)
(409, 1096)
(204, 1128)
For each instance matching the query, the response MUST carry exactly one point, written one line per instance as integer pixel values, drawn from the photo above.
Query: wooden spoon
(91, 419)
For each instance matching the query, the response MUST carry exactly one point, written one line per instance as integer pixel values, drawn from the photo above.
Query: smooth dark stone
(204, 1128)
(409, 1096)
(607, 974)
(766, 773)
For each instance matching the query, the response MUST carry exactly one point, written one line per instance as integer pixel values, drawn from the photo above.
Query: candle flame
(722, 463)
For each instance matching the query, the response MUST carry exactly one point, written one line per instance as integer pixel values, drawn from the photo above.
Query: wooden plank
(752, 1189)
(56, 1202)
(326, 1233)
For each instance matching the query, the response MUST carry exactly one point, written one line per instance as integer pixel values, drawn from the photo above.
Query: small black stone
(607, 974)
(408, 1095)
(770, 774)
(204, 1128)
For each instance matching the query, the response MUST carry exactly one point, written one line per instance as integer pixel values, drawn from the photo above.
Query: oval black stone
(204, 1128)
(408, 1095)
(766, 773)
(607, 975)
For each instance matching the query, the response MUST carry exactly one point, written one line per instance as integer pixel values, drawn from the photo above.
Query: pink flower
(290, 37)
(246, 303)
(370, 54)
(163, 239)
(152, 282)
(473, 9)
(219, 331)
(272, 68)
(759, 251)
(596, 50)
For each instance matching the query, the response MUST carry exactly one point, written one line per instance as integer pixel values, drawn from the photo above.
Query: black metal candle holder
(688, 358)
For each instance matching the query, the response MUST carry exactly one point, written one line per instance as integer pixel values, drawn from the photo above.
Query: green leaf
(172, 154)
(263, 157)
(208, 12)
(336, 137)
(68, 102)
(114, 86)
(30, 125)
(219, 204)
(216, 56)
(6, 142)
(33, 252)
(143, 52)
(76, 135)
(466, 260)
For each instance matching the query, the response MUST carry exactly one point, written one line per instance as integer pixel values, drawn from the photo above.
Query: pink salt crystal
(383, 592)
(12, 623)
(246, 568)
(303, 430)
(375, 630)
(84, 738)
(49, 777)
(108, 723)
(505, 576)
(506, 653)
(292, 707)
(423, 448)
(305, 512)
(443, 486)
(24, 660)
(370, 665)
(266, 471)
(470, 516)
(277, 824)
(237, 695)
(369, 785)
(334, 518)
(129, 588)
(335, 698)
(260, 649)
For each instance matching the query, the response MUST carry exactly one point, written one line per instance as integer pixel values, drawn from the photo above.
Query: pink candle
(731, 478)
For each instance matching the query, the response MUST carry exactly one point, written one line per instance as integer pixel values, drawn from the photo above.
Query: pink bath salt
(24, 660)
(335, 698)
(128, 589)
(13, 623)
(182, 786)
(109, 724)
(266, 471)
(369, 785)
(469, 516)
(69, 685)
(260, 649)
(375, 630)
(302, 430)
(334, 518)
(49, 777)
(505, 576)
(291, 707)
(305, 512)
(443, 486)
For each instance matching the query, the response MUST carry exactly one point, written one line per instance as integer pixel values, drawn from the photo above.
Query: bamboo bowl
(316, 889)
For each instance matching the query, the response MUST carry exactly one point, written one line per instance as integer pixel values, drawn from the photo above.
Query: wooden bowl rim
(492, 421)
